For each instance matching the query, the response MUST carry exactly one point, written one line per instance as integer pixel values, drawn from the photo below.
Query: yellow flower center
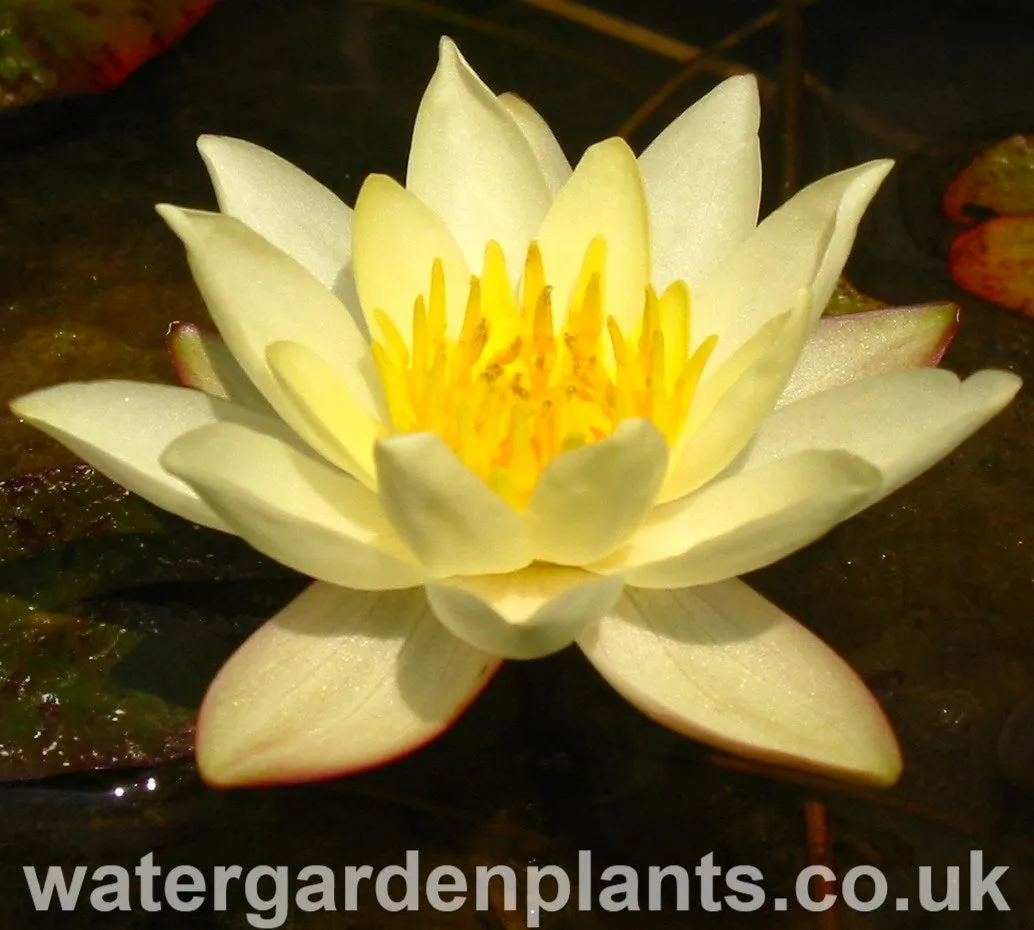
(509, 393)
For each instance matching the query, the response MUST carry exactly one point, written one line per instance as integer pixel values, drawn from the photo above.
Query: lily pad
(110, 628)
(995, 260)
(1000, 180)
(51, 48)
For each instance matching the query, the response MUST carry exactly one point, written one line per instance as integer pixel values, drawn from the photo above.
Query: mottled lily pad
(99, 668)
(995, 260)
(1000, 180)
(51, 48)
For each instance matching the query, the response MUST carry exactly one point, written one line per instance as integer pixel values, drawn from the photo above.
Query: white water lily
(511, 406)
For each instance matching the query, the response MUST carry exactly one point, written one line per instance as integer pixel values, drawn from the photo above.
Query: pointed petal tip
(448, 49)
(183, 221)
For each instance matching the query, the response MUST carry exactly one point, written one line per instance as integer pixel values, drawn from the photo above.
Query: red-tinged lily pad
(995, 260)
(61, 47)
(97, 591)
(999, 180)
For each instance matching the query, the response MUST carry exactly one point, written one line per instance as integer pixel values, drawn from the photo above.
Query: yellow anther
(510, 392)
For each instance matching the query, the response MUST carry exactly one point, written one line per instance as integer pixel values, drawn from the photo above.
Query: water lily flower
(512, 406)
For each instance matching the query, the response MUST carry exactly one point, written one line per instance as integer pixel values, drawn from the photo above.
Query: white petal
(202, 361)
(553, 163)
(703, 183)
(337, 682)
(286, 206)
(330, 410)
(852, 346)
(732, 404)
(587, 501)
(453, 522)
(293, 508)
(473, 166)
(723, 665)
(604, 197)
(258, 295)
(526, 614)
(902, 422)
(122, 428)
(803, 244)
(744, 522)
(397, 239)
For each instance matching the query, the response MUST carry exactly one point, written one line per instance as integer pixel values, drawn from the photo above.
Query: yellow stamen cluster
(509, 394)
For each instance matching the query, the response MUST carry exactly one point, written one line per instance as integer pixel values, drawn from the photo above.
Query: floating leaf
(51, 48)
(999, 180)
(98, 670)
(995, 260)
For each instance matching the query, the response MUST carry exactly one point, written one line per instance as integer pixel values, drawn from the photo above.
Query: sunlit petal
(604, 197)
(803, 244)
(397, 238)
(902, 422)
(721, 664)
(121, 428)
(590, 499)
(338, 681)
(285, 205)
(472, 165)
(345, 428)
(703, 182)
(294, 508)
(744, 522)
(258, 295)
(852, 346)
(553, 163)
(202, 361)
(448, 516)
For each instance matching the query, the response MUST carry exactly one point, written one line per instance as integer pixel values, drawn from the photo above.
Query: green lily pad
(110, 624)
(51, 48)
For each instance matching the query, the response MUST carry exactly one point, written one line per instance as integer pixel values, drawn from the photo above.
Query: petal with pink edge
(852, 346)
(721, 664)
(202, 361)
(337, 682)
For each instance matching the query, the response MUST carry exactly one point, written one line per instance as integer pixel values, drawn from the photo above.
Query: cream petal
(852, 346)
(730, 407)
(553, 163)
(722, 665)
(744, 522)
(293, 508)
(525, 614)
(604, 197)
(337, 682)
(258, 295)
(472, 165)
(202, 361)
(122, 428)
(702, 176)
(587, 501)
(803, 244)
(902, 422)
(396, 241)
(286, 206)
(448, 516)
(330, 410)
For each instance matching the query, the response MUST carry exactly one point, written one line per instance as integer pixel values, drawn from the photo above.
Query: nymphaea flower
(510, 407)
